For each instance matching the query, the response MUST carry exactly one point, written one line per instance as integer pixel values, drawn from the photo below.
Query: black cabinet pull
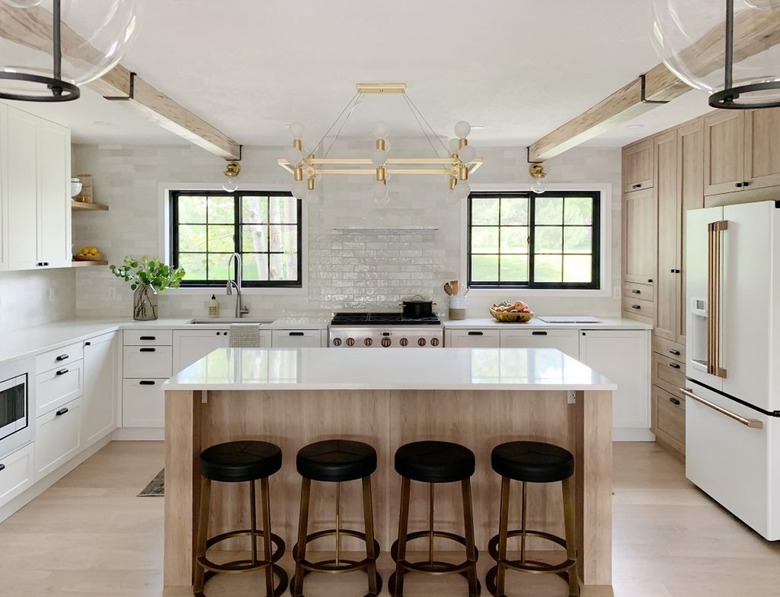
(744, 184)
(224, 333)
(674, 401)
(649, 280)
(297, 334)
(675, 271)
(636, 307)
(674, 351)
(62, 357)
(148, 349)
(538, 333)
(738, 185)
(476, 334)
(636, 186)
(45, 263)
(87, 343)
(148, 337)
(674, 365)
(146, 382)
(62, 411)
(2, 467)
(635, 291)
(61, 372)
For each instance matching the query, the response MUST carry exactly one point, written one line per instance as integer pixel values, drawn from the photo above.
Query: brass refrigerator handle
(714, 258)
(752, 423)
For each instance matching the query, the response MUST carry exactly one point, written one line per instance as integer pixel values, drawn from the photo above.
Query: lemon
(93, 251)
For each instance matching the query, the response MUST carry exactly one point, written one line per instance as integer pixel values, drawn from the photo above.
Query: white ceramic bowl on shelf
(75, 186)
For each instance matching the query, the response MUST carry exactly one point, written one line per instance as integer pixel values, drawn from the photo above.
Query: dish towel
(245, 335)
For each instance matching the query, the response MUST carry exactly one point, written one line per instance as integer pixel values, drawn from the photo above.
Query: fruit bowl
(512, 316)
(95, 257)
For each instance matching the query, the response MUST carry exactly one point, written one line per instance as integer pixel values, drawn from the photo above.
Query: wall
(36, 297)
(360, 253)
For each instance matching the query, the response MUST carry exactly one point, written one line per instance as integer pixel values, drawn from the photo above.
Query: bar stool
(336, 461)
(532, 462)
(237, 462)
(434, 462)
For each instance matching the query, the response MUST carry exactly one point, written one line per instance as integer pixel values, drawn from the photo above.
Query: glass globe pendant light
(729, 48)
(50, 47)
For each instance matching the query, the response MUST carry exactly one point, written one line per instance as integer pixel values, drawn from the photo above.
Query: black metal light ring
(68, 91)
(727, 99)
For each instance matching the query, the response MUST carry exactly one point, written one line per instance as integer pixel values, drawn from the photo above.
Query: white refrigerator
(732, 420)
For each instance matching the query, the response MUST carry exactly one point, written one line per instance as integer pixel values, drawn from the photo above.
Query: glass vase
(144, 303)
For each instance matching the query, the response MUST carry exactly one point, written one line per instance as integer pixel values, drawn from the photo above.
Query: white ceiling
(517, 68)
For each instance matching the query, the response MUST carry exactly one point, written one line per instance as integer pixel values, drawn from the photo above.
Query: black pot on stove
(417, 309)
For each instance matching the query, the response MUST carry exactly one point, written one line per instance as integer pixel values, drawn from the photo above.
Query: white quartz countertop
(604, 323)
(388, 369)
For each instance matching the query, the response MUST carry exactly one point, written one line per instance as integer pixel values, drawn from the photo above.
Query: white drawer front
(473, 338)
(58, 386)
(17, 473)
(150, 337)
(58, 357)
(147, 361)
(296, 338)
(57, 437)
(143, 403)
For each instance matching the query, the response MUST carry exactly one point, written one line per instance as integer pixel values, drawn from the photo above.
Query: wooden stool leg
(368, 523)
(571, 537)
(303, 523)
(267, 550)
(203, 527)
(403, 527)
(253, 520)
(503, 526)
(523, 519)
(468, 523)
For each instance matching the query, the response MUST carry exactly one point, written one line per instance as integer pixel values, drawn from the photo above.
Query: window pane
(514, 268)
(484, 211)
(577, 239)
(514, 240)
(194, 264)
(283, 238)
(192, 210)
(284, 210)
(254, 238)
(577, 268)
(484, 268)
(514, 211)
(549, 210)
(254, 210)
(549, 239)
(548, 268)
(484, 240)
(284, 266)
(221, 210)
(218, 266)
(221, 239)
(256, 266)
(192, 238)
(579, 210)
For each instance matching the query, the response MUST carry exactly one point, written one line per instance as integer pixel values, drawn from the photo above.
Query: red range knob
(434, 341)
(368, 341)
(336, 341)
(350, 342)
(403, 342)
(421, 342)
(386, 342)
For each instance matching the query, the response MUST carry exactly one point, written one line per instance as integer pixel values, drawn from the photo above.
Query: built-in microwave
(17, 424)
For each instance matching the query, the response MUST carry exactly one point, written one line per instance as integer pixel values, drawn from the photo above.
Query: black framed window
(263, 227)
(525, 240)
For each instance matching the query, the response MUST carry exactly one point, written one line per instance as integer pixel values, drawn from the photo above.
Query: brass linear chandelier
(456, 159)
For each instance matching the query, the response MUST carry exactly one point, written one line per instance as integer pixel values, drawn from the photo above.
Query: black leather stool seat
(336, 460)
(235, 462)
(533, 462)
(434, 462)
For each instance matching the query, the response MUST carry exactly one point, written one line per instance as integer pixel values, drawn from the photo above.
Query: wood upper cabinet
(741, 150)
(639, 236)
(638, 166)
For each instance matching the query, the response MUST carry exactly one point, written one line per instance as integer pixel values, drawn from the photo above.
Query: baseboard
(139, 434)
(632, 434)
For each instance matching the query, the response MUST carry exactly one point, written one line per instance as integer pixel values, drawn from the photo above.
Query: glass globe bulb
(297, 129)
(453, 145)
(467, 153)
(538, 186)
(461, 190)
(313, 196)
(378, 157)
(230, 183)
(462, 129)
(380, 192)
(294, 156)
(381, 130)
(299, 189)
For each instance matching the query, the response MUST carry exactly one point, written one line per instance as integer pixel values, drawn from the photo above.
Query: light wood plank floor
(90, 535)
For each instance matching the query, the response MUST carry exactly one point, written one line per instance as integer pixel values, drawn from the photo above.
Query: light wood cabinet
(638, 166)
(762, 148)
(639, 237)
(669, 234)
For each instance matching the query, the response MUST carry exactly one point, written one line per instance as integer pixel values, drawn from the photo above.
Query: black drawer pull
(674, 365)
(636, 291)
(2, 467)
(148, 337)
(538, 333)
(675, 271)
(636, 186)
(636, 307)
(146, 382)
(87, 343)
(62, 357)
(476, 334)
(297, 334)
(674, 401)
(744, 184)
(674, 351)
(739, 185)
(61, 372)
(649, 280)
(148, 350)
(62, 411)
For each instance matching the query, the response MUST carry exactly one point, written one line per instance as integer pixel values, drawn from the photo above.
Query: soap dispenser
(213, 306)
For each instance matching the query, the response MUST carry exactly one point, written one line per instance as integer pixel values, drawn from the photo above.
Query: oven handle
(752, 423)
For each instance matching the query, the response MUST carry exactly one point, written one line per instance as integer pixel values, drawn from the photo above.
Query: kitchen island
(478, 397)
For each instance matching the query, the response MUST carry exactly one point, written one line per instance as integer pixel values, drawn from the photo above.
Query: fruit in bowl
(516, 311)
(88, 254)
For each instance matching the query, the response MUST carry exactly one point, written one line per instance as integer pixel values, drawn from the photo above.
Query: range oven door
(16, 428)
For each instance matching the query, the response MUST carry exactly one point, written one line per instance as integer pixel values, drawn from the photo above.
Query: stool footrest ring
(490, 582)
(279, 589)
(531, 565)
(232, 566)
(434, 568)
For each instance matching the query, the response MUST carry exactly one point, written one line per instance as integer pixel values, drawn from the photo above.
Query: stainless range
(384, 330)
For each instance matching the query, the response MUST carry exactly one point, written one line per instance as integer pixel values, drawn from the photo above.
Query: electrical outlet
(616, 292)
(111, 293)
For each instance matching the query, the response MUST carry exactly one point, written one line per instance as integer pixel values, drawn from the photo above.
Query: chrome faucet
(241, 310)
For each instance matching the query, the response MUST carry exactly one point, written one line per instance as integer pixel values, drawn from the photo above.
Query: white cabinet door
(57, 436)
(101, 356)
(623, 356)
(474, 338)
(3, 188)
(192, 345)
(296, 338)
(22, 191)
(564, 340)
(143, 403)
(54, 215)
(17, 473)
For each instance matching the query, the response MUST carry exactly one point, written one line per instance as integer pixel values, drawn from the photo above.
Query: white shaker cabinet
(192, 345)
(297, 338)
(564, 340)
(101, 383)
(623, 356)
(147, 362)
(474, 338)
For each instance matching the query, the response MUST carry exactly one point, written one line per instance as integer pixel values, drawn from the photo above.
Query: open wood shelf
(81, 206)
(75, 263)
